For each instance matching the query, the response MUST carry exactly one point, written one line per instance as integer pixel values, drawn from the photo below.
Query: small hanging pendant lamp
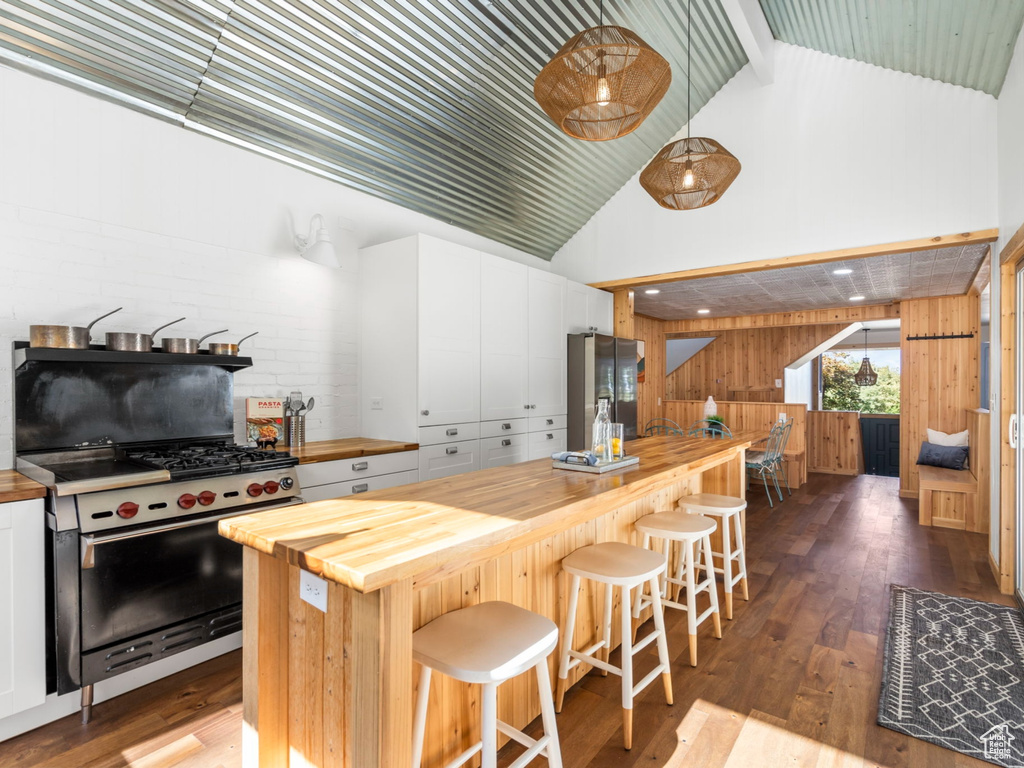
(692, 172)
(603, 83)
(866, 376)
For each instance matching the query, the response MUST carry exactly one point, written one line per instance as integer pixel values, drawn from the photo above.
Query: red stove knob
(255, 489)
(186, 501)
(128, 510)
(206, 498)
(271, 486)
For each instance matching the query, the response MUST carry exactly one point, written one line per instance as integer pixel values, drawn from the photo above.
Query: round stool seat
(676, 525)
(713, 503)
(613, 562)
(484, 643)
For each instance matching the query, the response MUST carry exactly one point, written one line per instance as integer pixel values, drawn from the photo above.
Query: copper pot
(185, 346)
(64, 336)
(135, 342)
(229, 349)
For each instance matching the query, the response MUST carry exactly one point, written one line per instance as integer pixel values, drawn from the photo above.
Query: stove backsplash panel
(66, 405)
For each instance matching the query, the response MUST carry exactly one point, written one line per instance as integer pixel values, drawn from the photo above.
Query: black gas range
(140, 464)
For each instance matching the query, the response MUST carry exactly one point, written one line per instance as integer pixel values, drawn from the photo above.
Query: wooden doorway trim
(843, 254)
(1009, 260)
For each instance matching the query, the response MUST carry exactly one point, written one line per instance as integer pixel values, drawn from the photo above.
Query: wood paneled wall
(978, 425)
(843, 315)
(834, 442)
(939, 378)
(753, 418)
(651, 392)
(744, 364)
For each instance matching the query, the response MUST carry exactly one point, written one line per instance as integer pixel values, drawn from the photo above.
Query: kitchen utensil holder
(295, 430)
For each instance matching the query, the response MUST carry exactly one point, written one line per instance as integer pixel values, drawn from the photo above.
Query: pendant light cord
(688, 58)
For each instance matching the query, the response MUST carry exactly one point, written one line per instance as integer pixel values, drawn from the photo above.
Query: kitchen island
(336, 688)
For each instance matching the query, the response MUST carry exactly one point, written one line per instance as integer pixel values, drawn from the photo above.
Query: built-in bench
(948, 498)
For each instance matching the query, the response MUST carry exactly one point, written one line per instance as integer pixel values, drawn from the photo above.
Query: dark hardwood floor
(794, 681)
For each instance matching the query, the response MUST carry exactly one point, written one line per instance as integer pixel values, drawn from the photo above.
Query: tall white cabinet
(465, 353)
(22, 607)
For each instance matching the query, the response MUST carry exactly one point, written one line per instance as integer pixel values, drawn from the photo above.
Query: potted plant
(715, 422)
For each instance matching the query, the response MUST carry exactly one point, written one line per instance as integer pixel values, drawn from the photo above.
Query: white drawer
(323, 472)
(449, 459)
(543, 444)
(504, 427)
(499, 451)
(359, 485)
(540, 423)
(449, 433)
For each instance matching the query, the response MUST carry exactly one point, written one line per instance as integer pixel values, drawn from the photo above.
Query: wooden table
(337, 688)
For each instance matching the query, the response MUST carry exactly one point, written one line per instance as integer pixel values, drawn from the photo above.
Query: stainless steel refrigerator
(600, 367)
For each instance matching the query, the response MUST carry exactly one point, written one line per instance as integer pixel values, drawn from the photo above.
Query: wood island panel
(346, 448)
(338, 688)
(14, 486)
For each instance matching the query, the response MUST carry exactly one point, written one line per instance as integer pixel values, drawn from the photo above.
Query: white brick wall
(102, 207)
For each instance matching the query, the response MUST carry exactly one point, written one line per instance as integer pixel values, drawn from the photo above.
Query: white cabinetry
(589, 310)
(547, 364)
(504, 340)
(22, 606)
(346, 477)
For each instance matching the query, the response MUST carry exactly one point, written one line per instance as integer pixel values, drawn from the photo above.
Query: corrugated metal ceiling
(428, 105)
(963, 42)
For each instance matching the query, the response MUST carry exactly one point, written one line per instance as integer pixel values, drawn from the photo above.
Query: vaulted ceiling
(430, 104)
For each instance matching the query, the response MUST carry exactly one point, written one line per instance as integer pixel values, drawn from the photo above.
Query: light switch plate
(778, 383)
(782, 415)
(313, 590)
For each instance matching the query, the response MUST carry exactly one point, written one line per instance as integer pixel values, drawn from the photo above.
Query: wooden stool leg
(741, 547)
(607, 619)
(553, 750)
(691, 600)
(716, 617)
(727, 566)
(626, 649)
(419, 727)
(663, 659)
(568, 629)
(489, 726)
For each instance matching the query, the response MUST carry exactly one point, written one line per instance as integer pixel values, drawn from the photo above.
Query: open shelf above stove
(97, 354)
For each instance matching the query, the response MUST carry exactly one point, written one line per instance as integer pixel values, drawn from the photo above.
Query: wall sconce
(317, 248)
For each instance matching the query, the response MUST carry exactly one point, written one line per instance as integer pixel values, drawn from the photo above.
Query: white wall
(835, 153)
(102, 207)
(799, 385)
(1011, 217)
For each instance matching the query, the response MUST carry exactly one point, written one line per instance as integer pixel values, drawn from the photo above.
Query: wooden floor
(793, 682)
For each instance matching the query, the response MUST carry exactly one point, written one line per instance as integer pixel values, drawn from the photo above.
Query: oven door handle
(90, 541)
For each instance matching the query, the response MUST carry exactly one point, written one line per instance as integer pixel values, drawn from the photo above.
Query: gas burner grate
(208, 460)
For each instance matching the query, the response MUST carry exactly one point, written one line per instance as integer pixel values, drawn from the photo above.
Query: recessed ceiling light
(703, 311)
(842, 271)
(652, 291)
(856, 298)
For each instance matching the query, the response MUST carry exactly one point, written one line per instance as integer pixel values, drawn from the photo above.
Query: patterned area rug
(954, 674)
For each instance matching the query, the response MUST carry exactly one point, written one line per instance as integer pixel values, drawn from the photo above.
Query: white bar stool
(488, 644)
(693, 532)
(725, 508)
(615, 565)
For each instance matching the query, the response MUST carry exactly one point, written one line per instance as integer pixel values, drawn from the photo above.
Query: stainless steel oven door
(137, 582)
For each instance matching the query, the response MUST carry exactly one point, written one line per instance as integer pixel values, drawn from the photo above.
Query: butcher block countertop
(415, 531)
(14, 486)
(347, 448)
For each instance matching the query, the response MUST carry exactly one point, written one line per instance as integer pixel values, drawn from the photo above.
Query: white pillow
(941, 438)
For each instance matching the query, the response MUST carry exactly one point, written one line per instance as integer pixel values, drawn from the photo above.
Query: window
(839, 392)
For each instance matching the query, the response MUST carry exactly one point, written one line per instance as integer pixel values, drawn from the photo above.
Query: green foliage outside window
(841, 393)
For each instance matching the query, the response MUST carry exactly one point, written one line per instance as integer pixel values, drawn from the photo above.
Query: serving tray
(597, 469)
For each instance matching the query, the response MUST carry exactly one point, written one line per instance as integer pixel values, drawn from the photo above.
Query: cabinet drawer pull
(451, 432)
(359, 466)
(506, 426)
(361, 488)
(506, 442)
(526, 407)
(451, 451)
(550, 436)
(550, 422)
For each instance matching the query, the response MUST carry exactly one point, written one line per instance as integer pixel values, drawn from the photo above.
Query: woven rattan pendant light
(603, 83)
(866, 376)
(692, 172)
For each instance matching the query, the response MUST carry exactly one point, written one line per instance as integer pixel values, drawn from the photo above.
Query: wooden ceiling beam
(780, 319)
(823, 257)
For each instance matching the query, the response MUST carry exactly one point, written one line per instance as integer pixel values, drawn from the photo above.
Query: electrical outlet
(778, 383)
(376, 403)
(313, 590)
(659, 401)
(782, 416)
